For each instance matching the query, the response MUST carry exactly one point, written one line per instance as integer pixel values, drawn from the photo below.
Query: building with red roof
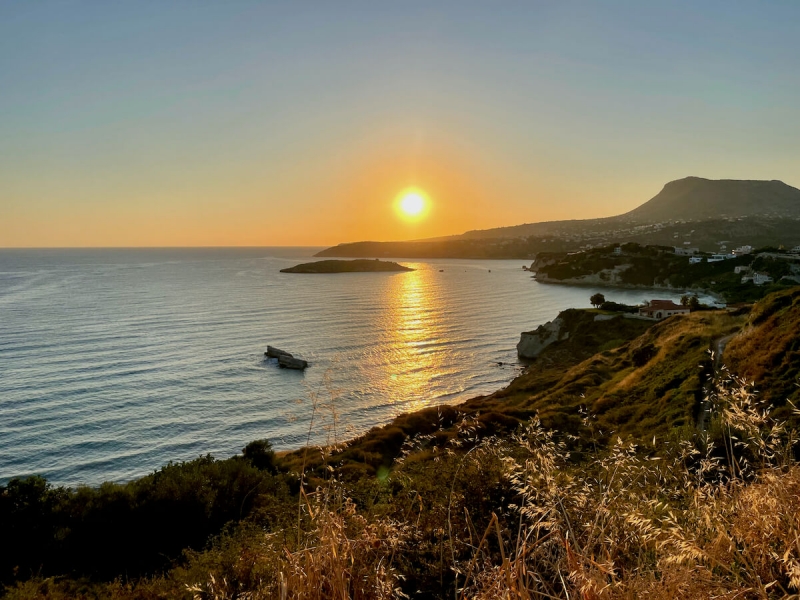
(661, 309)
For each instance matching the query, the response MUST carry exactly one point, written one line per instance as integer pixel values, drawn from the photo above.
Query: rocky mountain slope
(697, 199)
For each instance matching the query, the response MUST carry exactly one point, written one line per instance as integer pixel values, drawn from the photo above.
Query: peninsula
(347, 266)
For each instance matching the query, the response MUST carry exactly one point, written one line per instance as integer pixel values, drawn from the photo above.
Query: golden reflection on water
(414, 326)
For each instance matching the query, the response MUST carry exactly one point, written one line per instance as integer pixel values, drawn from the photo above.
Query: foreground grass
(680, 518)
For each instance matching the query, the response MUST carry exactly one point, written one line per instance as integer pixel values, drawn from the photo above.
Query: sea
(114, 362)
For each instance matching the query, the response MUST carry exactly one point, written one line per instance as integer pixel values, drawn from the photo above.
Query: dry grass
(717, 516)
(343, 556)
(688, 521)
(680, 524)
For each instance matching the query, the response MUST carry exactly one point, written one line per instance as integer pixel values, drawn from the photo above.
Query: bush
(261, 455)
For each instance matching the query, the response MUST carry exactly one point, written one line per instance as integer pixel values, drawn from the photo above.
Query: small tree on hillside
(597, 299)
(261, 455)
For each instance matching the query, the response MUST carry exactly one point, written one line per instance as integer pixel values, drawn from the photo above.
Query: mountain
(698, 199)
(687, 199)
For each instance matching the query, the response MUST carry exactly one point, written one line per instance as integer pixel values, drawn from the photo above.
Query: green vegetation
(346, 266)
(650, 266)
(131, 529)
(597, 300)
(623, 463)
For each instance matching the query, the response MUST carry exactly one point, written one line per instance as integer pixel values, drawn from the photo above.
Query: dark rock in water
(347, 266)
(273, 352)
(287, 361)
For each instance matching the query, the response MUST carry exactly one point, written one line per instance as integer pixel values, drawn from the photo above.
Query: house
(618, 250)
(661, 309)
(795, 250)
(693, 260)
(742, 270)
(757, 278)
(743, 250)
(719, 257)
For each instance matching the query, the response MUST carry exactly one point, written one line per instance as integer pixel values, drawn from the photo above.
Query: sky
(299, 123)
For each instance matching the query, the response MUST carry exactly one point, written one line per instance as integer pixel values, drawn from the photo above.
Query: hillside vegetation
(623, 463)
(767, 350)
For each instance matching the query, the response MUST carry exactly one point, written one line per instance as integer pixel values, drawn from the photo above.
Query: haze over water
(114, 362)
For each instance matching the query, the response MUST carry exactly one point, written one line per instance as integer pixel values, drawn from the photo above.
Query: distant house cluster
(748, 275)
(661, 309)
(757, 278)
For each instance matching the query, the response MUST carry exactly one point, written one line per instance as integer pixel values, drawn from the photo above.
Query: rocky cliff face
(532, 343)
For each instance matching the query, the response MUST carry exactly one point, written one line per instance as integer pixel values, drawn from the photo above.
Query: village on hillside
(743, 274)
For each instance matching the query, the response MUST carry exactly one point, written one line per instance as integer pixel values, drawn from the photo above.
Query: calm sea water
(114, 362)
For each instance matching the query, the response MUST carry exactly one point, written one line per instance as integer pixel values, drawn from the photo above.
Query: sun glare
(412, 205)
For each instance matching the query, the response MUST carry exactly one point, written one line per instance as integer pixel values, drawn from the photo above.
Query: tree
(684, 300)
(597, 299)
(261, 455)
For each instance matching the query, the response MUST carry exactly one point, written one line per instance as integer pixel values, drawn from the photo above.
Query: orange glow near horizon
(357, 194)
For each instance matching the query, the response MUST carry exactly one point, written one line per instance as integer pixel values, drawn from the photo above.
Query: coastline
(628, 286)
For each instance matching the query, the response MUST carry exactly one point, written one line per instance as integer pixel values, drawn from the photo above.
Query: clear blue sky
(298, 123)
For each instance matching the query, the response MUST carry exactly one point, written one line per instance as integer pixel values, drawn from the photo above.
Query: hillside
(698, 199)
(767, 350)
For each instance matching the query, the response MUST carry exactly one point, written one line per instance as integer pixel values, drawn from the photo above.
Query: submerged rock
(273, 352)
(287, 361)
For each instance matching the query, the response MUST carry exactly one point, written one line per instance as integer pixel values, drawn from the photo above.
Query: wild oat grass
(682, 523)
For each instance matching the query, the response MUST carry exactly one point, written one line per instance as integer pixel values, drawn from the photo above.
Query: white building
(757, 278)
(719, 257)
(693, 260)
(743, 250)
(661, 309)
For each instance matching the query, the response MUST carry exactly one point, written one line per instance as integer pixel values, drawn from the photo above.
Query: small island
(347, 266)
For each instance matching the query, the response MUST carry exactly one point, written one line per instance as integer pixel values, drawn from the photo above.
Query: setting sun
(412, 204)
